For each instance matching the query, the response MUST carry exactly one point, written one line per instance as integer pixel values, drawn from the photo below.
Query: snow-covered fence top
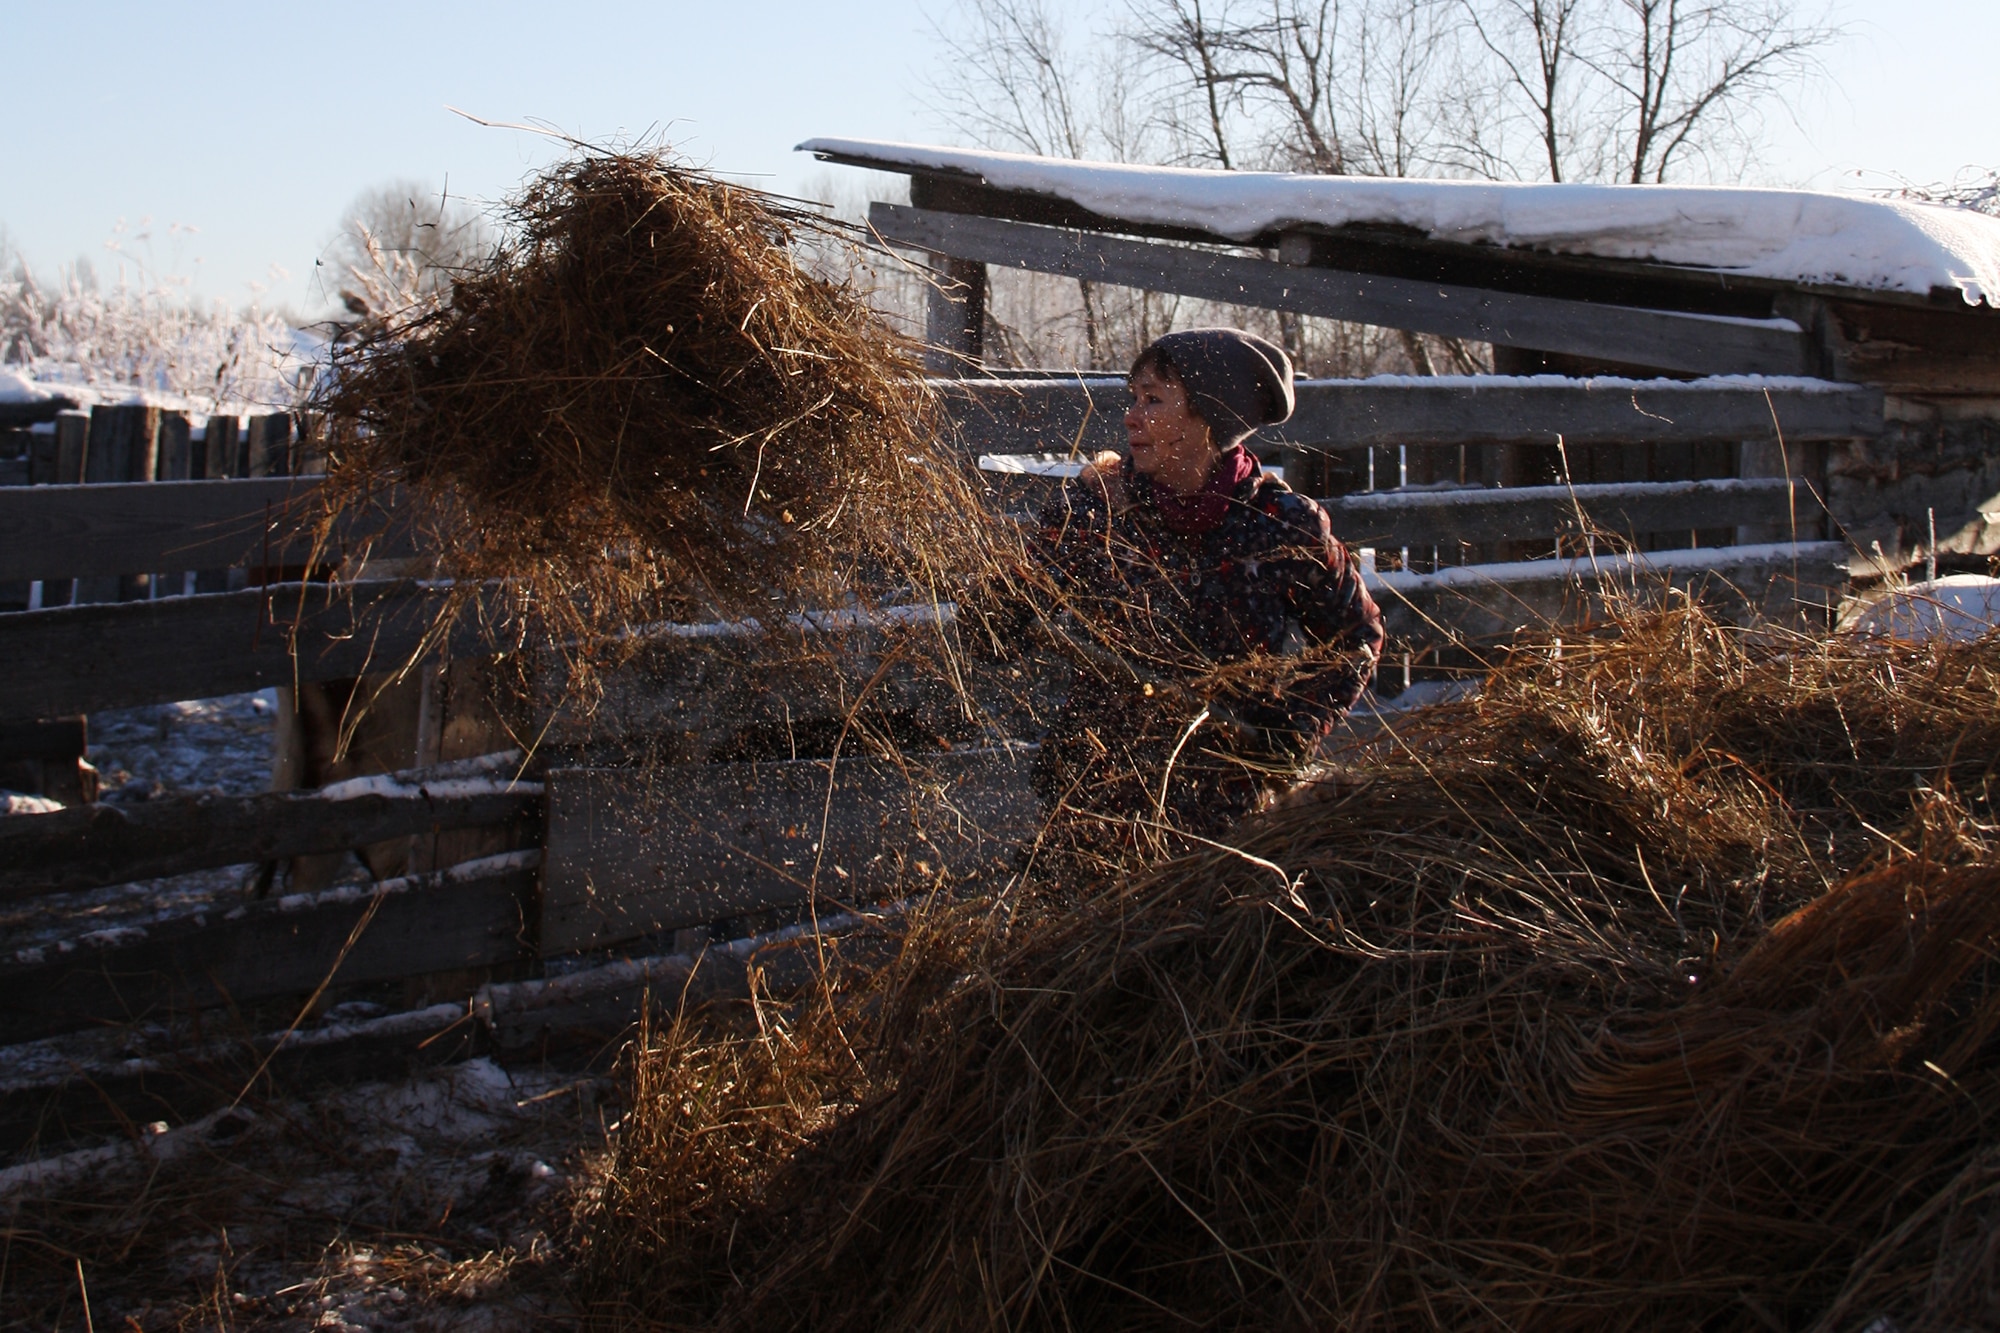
(1793, 236)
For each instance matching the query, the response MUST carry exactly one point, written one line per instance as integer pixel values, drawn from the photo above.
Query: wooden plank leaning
(1670, 341)
(89, 846)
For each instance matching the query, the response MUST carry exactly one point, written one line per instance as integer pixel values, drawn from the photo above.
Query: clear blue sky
(258, 124)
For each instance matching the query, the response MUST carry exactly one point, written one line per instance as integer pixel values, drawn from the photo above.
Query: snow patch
(1959, 609)
(1801, 236)
(18, 388)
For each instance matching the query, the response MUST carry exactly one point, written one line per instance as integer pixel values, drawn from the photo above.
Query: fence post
(955, 317)
(174, 442)
(123, 445)
(175, 463)
(270, 440)
(222, 456)
(72, 441)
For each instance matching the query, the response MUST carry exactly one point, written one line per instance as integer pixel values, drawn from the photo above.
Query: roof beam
(1695, 343)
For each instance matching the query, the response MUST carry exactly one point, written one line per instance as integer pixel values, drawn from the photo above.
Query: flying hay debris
(644, 405)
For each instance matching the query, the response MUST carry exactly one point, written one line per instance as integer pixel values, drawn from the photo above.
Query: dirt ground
(431, 1204)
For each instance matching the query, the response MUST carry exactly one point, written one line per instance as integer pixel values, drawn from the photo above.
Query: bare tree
(1629, 89)
(1607, 89)
(1529, 44)
(1181, 34)
(1014, 82)
(1686, 71)
(1975, 188)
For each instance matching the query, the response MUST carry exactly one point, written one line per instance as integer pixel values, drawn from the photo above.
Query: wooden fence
(615, 858)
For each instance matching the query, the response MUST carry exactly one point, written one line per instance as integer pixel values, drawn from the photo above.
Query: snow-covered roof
(1808, 237)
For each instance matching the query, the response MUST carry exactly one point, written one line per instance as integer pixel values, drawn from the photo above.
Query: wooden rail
(477, 914)
(64, 532)
(89, 846)
(1421, 518)
(117, 655)
(1703, 344)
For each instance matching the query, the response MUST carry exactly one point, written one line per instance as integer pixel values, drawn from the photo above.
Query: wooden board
(474, 915)
(1056, 415)
(1421, 519)
(632, 854)
(1662, 339)
(86, 847)
(1475, 603)
(60, 532)
(81, 659)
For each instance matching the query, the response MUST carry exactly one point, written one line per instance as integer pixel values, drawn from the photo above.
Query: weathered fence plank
(221, 450)
(1426, 518)
(632, 854)
(86, 847)
(477, 914)
(175, 440)
(72, 442)
(107, 1099)
(1669, 341)
(1470, 603)
(1032, 416)
(123, 444)
(81, 659)
(49, 532)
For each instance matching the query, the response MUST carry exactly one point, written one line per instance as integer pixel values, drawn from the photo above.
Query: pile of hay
(1656, 987)
(647, 404)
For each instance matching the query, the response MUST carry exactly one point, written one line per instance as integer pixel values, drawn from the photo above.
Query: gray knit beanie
(1236, 380)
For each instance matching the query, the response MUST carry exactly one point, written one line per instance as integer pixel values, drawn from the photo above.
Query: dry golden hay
(1655, 987)
(645, 404)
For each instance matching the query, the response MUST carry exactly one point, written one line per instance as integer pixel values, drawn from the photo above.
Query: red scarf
(1188, 515)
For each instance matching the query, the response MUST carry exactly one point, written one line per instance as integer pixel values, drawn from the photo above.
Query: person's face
(1169, 440)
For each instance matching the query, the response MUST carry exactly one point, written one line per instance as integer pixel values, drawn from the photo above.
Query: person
(1222, 627)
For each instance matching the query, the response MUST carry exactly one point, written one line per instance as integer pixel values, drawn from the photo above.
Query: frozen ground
(432, 1203)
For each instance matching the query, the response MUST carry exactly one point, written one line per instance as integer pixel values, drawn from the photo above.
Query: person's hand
(1106, 473)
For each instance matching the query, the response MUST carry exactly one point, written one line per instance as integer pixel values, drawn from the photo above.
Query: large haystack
(646, 404)
(1653, 988)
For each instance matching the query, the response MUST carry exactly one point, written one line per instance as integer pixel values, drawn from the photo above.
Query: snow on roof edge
(1808, 237)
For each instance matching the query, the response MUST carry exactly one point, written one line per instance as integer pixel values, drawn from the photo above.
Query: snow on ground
(1958, 608)
(220, 746)
(427, 1203)
(1800, 236)
(16, 387)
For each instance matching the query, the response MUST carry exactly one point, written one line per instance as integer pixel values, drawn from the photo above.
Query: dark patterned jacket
(1268, 578)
